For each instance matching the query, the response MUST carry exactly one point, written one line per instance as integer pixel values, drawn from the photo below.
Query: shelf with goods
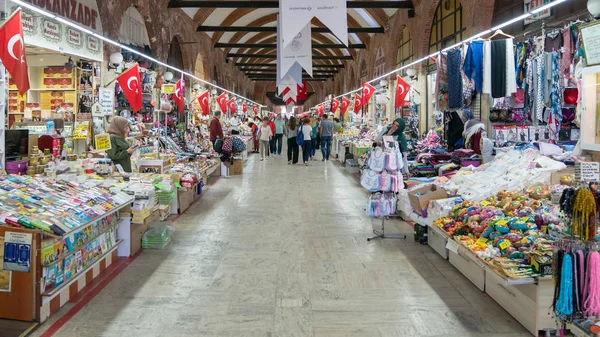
(72, 227)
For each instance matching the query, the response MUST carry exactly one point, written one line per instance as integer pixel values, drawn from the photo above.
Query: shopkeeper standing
(216, 131)
(120, 151)
(235, 125)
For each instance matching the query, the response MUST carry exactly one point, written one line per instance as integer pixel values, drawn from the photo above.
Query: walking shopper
(272, 141)
(291, 134)
(216, 131)
(254, 127)
(279, 125)
(313, 140)
(326, 132)
(265, 134)
(307, 132)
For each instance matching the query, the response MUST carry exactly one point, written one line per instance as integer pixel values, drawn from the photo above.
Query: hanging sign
(531, 5)
(42, 31)
(106, 98)
(295, 14)
(103, 142)
(168, 89)
(590, 33)
(17, 251)
(589, 172)
(298, 51)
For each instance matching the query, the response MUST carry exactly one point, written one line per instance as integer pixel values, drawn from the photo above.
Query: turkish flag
(345, 105)
(357, 103)
(255, 109)
(335, 104)
(12, 51)
(203, 100)
(130, 84)
(232, 105)
(222, 101)
(244, 107)
(402, 89)
(178, 95)
(368, 91)
(302, 95)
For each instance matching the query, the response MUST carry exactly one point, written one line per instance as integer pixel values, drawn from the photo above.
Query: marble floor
(281, 251)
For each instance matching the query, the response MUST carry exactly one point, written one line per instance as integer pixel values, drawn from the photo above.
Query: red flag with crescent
(345, 105)
(222, 101)
(335, 104)
(255, 109)
(367, 92)
(244, 107)
(402, 89)
(12, 52)
(357, 103)
(203, 100)
(178, 95)
(232, 105)
(302, 95)
(131, 85)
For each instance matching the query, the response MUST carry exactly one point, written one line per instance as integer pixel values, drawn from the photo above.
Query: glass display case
(590, 121)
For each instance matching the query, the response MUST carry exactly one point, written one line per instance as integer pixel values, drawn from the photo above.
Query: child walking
(265, 134)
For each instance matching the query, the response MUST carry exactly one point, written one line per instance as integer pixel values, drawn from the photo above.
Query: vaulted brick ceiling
(372, 15)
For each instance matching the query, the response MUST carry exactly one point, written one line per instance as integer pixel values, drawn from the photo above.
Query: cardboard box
(555, 178)
(185, 198)
(137, 232)
(237, 167)
(419, 198)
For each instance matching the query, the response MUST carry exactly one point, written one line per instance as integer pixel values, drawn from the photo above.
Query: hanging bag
(376, 160)
(218, 146)
(238, 144)
(300, 137)
(227, 145)
(370, 180)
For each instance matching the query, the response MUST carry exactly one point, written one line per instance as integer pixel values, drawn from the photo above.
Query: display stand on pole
(381, 234)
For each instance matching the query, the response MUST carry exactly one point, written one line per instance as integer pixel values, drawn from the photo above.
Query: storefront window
(405, 50)
(447, 27)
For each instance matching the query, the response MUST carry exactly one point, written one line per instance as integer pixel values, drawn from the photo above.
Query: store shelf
(577, 331)
(75, 277)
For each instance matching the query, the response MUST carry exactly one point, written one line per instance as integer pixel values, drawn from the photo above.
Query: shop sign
(103, 142)
(530, 5)
(168, 88)
(41, 31)
(17, 251)
(106, 98)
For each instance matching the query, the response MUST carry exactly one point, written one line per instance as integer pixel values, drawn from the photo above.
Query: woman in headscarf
(120, 151)
(396, 130)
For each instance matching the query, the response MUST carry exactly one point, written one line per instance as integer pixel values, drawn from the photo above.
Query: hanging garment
(539, 91)
(473, 66)
(487, 67)
(567, 54)
(511, 75)
(455, 92)
(442, 83)
(553, 41)
(499, 68)
(521, 64)
(455, 129)
(547, 79)
(468, 85)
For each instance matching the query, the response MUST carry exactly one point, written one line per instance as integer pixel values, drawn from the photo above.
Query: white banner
(297, 52)
(293, 94)
(295, 14)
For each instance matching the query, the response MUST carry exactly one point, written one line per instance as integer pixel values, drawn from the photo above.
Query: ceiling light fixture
(122, 46)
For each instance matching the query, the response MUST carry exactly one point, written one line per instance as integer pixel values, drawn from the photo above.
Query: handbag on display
(370, 180)
(238, 144)
(570, 96)
(227, 145)
(376, 160)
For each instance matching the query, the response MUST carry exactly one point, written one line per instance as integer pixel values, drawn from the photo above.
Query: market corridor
(282, 251)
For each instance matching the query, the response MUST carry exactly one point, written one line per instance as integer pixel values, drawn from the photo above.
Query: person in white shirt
(307, 133)
(265, 134)
(235, 125)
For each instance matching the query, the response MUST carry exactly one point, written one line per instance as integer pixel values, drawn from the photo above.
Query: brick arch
(230, 20)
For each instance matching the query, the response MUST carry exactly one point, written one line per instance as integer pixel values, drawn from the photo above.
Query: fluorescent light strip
(507, 23)
(117, 44)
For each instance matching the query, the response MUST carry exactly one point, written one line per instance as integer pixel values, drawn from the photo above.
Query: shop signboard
(17, 251)
(106, 98)
(41, 31)
(530, 5)
(168, 88)
(587, 171)
(103, 142)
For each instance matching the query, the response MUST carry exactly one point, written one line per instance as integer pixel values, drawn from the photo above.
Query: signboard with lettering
(585, 171)
(106, 98)
(530, 5)
(591, 42)
(103, 142)
(41, 31)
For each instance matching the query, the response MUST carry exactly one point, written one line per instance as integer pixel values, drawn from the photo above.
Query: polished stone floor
(281, 251)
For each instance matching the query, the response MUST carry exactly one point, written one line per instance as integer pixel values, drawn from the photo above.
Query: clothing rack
(381, 234)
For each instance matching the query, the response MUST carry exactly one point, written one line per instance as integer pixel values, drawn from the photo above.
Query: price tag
(103, 142)
(482, 242)
(168, 88)
(502, 222)
(504, 245)
(587, 171)
(452, 246)
(485, 203)
(178, 185)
